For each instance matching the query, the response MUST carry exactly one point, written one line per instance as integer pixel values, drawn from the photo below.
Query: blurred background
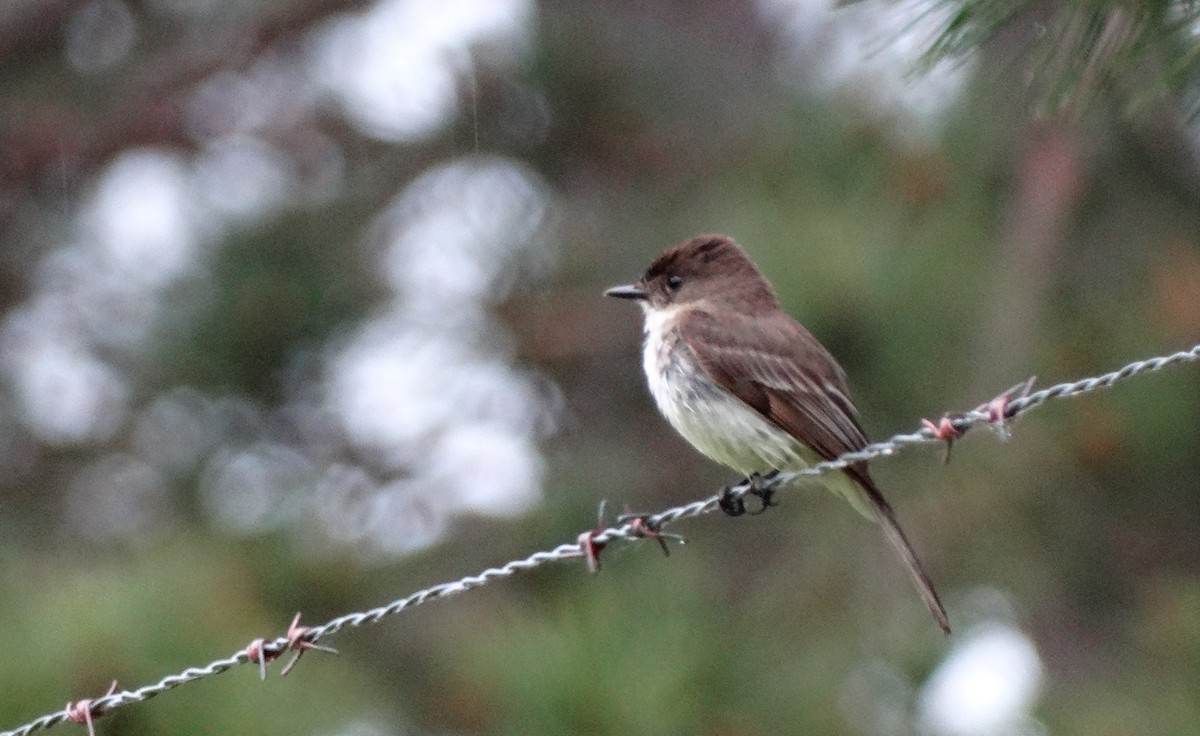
(300, 310)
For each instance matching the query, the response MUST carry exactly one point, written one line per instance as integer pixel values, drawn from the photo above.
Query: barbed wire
(996, 413)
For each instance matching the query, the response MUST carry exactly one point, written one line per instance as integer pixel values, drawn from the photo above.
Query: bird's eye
(674, 283)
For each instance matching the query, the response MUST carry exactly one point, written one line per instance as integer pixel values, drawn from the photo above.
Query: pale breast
(712, 419)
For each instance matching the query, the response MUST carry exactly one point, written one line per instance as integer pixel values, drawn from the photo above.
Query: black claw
(731, 504)
(765, 495)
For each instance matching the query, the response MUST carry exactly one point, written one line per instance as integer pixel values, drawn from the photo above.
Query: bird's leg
(764, 494)
(733, 504)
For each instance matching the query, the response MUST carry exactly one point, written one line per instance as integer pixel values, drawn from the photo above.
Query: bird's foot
(759, 490)
(735, 505)
(730, 503)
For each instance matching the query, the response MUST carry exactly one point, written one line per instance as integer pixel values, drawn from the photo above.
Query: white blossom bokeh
(416, 414)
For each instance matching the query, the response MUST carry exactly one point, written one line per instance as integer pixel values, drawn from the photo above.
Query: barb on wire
(995, 413)
(82, 711)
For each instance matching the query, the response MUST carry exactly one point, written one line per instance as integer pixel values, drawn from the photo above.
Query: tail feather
(886, 516)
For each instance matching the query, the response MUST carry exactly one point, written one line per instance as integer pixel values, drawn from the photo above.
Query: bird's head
(710, 269)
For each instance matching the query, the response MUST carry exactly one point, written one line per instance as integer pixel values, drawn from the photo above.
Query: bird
(749, 387)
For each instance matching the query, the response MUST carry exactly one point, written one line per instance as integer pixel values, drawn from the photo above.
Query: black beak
(628, 291)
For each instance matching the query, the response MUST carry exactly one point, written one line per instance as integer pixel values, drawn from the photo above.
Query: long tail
(891, 527)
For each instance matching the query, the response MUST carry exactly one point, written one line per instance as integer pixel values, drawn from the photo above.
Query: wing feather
(779, 369)
(787, 377)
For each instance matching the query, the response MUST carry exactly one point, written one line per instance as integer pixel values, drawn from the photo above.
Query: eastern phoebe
(747, 385)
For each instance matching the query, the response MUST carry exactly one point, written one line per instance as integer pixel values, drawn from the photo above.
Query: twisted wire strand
(632, 530)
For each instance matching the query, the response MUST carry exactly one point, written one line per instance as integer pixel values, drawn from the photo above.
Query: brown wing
(787, 376)
(779, 369)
